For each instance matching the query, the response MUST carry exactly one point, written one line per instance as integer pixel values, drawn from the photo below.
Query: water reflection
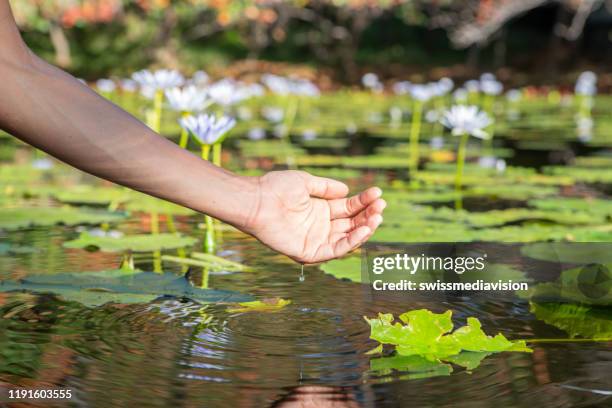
(311, 353)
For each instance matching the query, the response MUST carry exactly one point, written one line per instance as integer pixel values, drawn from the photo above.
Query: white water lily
(371, 81)
(256, 133)
(106, 85)
(273, 114)
(208, 129)
(187, 99)
(200, 78)
(472, 86)
(161, 79)
(491, 87)
(228, 92)
(444, 86)
(402, 87)
(128, 85)
(461, 95)
(309, 134)
(514, 95)
(586, 84)
(421, 92)
(290, 86)
(469, 120)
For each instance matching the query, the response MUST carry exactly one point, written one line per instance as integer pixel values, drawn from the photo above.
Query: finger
(343, 208)
(346, 224)
(326, 188)
(344, 243)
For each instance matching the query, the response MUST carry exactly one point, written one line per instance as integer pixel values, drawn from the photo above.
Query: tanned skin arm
(305, 217)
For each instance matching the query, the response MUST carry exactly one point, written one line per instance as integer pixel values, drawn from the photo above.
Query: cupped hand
(309, 218)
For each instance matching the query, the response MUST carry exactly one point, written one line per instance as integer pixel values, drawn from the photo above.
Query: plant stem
(291, 112)
(155, 230)
(184, 133)
(415, 129)
(157, 110)
(180, 251)
(205, 151)
(216, 159)
(459, 175)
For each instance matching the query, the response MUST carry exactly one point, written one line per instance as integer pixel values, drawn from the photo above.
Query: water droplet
(302, 277)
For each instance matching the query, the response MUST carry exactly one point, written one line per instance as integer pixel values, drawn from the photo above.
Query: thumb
(326, 188)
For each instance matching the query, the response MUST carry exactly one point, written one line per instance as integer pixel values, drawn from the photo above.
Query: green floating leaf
(134, 243)
(589, 322)
(145, 203)
(569, 252)
(347, 268)
(90, 195)
(20, 218)
(598, 207)
(118, 286)
(266, 305)
(587, 285)
(428, 335)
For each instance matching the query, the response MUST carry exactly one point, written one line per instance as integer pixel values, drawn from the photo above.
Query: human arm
(305, 217)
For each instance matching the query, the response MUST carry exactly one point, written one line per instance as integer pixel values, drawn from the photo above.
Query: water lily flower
(432, 116)
(106, 85)
(436, 143)
(256, 133)
(585, 88)
(289, 86)
(207, 129)
(402, 87)
(472, 86)
(187, 99)
(372, 82)
(200, 78)
(444, 86)
(228, 92)
(464, 121)
(309, 134)
(273, 114)
(158, 80)
(467, 120)
(128, 85)
(514, 95)
(43, 164)
(421, 93)
(488, 76)
(491, 87)
(460, 95)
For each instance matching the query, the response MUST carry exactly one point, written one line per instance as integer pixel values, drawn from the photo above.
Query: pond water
(175, 352)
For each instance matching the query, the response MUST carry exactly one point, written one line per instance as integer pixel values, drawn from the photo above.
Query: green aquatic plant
(94, 289)
(26, 217)
(578, 321)
(464, 121)
(422, 337)
(420, 94)
(209, 130)
(133, 243)
(213, 262)
(266, 305)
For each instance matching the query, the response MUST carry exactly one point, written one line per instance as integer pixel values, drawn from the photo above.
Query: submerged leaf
(18, 218)
(266, 305)
(135, 243)
(117, 286)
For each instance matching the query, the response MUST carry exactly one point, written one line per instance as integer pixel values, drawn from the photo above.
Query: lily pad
(347, 268)
(419, 366)
(19, 218)
(89, 195)
(266, 305)
(118, 286)
(577, 320)
(145, 203)
(565, 252)
(134, 243)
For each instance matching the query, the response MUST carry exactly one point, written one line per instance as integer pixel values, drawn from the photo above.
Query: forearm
(51, 110)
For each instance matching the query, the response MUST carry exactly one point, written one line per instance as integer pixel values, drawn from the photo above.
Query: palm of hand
(310, 219)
